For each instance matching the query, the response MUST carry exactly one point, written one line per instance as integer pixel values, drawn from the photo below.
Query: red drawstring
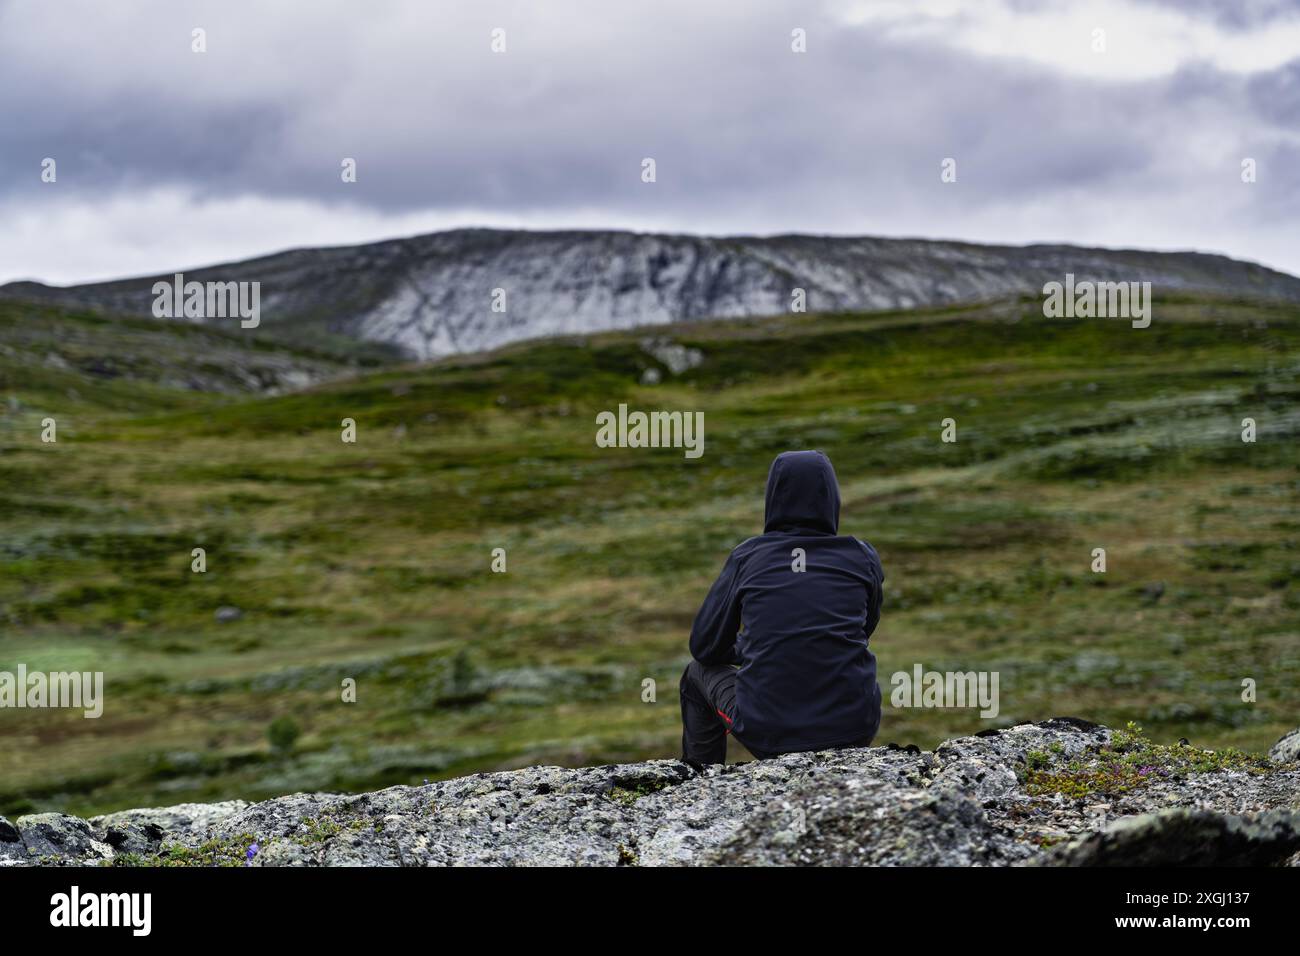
(727, 730)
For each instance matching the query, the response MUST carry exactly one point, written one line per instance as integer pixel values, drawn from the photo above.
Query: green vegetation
(371, 561)
(283, 734)
(322, 829)
(628, 792)
(232, 851)
(628, 856)
(1128, 762)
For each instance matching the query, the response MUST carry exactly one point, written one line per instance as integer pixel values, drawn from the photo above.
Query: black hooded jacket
(807, 679)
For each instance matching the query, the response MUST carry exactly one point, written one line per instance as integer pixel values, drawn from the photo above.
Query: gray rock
(964, 804)
(426, 294)
(866, 823)
(130, 838)
(675, 357)
(187, 823)
(1182, 837)
(60, 836)
(11, 844)
(984, 766)
(679, 825)
(1287, 749)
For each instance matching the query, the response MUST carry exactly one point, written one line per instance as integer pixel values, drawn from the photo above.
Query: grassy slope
(371, 560)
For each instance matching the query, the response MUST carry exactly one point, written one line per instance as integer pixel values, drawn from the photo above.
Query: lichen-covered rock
(130, 838)
(985, 766)
(1182, 837)
(57, 836)
(1062, 791)
(866, 823)
(187, 823)
(1287, 749)
(11, 844)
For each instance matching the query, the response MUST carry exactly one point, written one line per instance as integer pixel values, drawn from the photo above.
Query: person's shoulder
(746, 547)
(871, 554)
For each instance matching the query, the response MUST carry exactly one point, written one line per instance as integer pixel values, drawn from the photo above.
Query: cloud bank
(167, 158)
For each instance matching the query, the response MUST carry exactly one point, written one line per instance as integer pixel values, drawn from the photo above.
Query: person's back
(794, 608)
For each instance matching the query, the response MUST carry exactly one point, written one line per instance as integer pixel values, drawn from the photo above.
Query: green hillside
(371, 560)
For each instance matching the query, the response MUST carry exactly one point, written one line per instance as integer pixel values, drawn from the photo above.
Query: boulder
(1287, 749)
(1051, 793)
(12, 849)
(58, 837)
(1186, 837)
(864, 823)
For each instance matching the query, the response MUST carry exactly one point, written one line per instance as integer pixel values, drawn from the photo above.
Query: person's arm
(713, 635)
(877, 597)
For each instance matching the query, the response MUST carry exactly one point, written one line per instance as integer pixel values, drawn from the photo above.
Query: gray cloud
(1234, 14)
(236, 151)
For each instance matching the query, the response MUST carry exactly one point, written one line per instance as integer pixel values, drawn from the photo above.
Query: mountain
(75, 360)
(432, 295)
(1061, 792)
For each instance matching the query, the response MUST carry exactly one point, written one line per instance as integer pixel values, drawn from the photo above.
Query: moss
(1129, 762)
(322, 829)
(1037, 759)
(630, 794)
(230, 851)
(628, 856)
(626, 796)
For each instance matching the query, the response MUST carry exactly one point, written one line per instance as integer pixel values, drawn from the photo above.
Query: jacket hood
(802, 494)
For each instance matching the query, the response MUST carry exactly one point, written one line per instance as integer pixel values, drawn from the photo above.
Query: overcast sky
(168, 159)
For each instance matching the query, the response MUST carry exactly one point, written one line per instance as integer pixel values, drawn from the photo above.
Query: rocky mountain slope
(75, 359)
(433, 295)
(1060, 792)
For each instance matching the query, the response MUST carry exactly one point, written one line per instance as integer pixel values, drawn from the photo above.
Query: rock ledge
(1058, 792)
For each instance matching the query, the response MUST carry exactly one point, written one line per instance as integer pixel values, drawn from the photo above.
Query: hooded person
(780, 646)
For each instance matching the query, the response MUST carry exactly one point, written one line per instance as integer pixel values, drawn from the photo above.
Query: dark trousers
(708, 694)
